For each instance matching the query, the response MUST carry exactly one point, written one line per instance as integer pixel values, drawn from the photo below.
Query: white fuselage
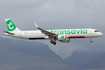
(70, 33)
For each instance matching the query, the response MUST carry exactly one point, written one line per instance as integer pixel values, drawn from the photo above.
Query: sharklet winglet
(36, 25)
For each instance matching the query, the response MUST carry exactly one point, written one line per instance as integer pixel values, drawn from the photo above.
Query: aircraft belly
(34, 36)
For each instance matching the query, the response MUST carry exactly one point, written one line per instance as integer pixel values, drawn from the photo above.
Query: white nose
(100, 34)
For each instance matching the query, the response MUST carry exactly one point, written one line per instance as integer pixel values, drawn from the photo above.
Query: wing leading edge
(47, 33)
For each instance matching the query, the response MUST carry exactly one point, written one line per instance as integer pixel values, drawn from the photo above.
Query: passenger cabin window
(96, 31)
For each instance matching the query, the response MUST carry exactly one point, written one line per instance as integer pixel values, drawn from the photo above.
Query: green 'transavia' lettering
(78, 31)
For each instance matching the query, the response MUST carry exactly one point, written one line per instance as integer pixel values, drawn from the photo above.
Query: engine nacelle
(65, 41)
(63, 38)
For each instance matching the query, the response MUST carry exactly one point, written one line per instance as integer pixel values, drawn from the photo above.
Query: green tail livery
(11, 26)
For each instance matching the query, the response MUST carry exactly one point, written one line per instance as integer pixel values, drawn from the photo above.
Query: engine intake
(63, 38)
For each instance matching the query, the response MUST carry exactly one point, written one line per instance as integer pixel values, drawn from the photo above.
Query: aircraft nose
(100, 34)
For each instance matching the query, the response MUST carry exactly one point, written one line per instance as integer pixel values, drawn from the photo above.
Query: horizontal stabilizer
(8, 32)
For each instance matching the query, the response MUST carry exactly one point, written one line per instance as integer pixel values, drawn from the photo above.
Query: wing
(49, 34)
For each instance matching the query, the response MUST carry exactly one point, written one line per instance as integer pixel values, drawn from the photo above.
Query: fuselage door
(90, 31)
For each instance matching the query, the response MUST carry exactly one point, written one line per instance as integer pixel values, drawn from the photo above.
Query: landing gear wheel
(54, 43)
(91, 40)
(51, 41)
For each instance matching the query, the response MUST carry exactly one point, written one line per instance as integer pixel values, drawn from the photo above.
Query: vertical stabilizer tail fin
(11, 26)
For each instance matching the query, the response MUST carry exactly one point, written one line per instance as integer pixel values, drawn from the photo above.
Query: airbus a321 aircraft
(62, 35)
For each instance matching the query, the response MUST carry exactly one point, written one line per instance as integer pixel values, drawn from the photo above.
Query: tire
(91, 41)
(54, 43)
(51, 41)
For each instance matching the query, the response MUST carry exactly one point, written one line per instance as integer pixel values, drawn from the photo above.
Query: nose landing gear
(91, 40)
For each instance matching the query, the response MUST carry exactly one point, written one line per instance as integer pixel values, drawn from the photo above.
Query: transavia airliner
(62, 35)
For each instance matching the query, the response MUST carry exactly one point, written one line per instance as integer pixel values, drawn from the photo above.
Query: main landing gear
(91, 40)
(53, 42)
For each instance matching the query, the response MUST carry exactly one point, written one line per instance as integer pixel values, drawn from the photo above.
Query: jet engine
(63, 38)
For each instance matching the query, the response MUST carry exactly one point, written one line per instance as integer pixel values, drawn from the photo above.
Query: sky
(58, 14)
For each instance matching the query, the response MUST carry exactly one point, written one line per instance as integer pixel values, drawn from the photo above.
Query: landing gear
(91, 40)
(53, 42)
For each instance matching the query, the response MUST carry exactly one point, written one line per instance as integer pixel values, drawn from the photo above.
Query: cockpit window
(96, 31)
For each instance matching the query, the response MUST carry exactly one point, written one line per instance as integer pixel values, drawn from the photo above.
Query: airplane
(62, 35)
